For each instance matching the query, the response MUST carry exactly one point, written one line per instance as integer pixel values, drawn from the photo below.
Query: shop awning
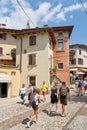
(4, 78)
(80, 73)
(73, 69)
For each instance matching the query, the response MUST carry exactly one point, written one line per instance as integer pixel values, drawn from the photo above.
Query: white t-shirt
(23, 90)
(31, 89)
(35, 99)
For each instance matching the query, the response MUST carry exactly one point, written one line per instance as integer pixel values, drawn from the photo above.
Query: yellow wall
(15, 84)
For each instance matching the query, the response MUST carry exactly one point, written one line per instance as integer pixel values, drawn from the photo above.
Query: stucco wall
(41, 69)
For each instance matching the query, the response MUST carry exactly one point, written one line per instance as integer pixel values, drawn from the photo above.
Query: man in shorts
(64, 91)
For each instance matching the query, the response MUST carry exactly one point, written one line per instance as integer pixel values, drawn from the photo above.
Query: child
(35, 97)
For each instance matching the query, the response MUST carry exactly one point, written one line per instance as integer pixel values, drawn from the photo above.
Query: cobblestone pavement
(14, 115)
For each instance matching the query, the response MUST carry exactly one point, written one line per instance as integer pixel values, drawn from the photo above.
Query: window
(32, 80)
(80, 61)
(32, 59)
(60, 34)
(50, 61)
(2, 36)
(60, 65)
(32, 40)
(60, 45)
(1, 50)
(79, 52)
(73, 62)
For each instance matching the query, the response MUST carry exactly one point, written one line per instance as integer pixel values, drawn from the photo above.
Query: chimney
(28, 25)
(2, 25)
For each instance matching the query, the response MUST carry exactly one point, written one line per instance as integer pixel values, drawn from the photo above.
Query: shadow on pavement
(52, 114)
(80, 98)
(25, 121)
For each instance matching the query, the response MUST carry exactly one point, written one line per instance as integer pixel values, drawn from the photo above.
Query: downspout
(21, 46)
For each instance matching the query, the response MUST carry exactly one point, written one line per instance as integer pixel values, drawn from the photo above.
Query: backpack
(63, 91)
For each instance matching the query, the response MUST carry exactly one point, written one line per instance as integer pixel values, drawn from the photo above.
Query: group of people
(63, 92)
(34, 98)
(82, 86)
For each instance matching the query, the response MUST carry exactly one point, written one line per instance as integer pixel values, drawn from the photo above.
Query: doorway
(3, 90)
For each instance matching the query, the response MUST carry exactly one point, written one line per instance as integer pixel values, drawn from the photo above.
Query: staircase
(54, 79)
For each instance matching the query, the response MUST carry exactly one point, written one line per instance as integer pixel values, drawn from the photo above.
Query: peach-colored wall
(62, 57)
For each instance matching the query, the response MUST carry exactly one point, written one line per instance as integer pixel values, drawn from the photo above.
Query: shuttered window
(32, 40)
(32, 59)
(2, 36)
(80, 61)
(1, 50)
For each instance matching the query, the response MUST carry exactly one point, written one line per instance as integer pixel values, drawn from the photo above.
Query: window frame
(80, 51)
(60, 41)
(60, 34)
(73, 61)
(58, 65)
(80, 61)
(32, 40)
(32, 59)
(1, 51)
(30, 80)
(2, 36)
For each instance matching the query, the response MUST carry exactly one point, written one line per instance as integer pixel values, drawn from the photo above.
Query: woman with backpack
(63, 92)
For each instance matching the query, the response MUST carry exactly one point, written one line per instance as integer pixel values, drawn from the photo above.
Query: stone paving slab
(78, 121)
(16, 115)
(53, 122)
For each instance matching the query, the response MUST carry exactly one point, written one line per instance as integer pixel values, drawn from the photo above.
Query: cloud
(71, 17)
(51, 13)
(12, 14)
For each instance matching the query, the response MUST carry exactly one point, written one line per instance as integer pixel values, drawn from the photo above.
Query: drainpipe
(21, 55)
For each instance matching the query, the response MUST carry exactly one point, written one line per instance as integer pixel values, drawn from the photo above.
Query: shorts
(44, 94)
(22, 96)
(63, 100)
(54, 99)
(80, 88)
(34, 106)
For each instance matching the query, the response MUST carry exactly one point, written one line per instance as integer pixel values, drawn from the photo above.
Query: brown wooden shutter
(32, 40)
(4, 36)
(1, 50)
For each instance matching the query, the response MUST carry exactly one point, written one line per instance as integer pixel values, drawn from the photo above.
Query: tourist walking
(54, 97)
(22, 93)
(30, 92)
(85, 84)
(80, 86)
(44, 89)
(64, 91)
(35, 102)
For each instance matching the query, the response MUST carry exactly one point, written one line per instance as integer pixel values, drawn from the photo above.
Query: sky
(16, 13)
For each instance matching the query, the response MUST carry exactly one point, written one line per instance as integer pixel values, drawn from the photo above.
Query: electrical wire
(83, 6)
(25, 13)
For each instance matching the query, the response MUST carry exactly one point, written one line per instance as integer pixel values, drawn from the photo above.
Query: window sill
(60, 50)
(60, 69)
(32, 65)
